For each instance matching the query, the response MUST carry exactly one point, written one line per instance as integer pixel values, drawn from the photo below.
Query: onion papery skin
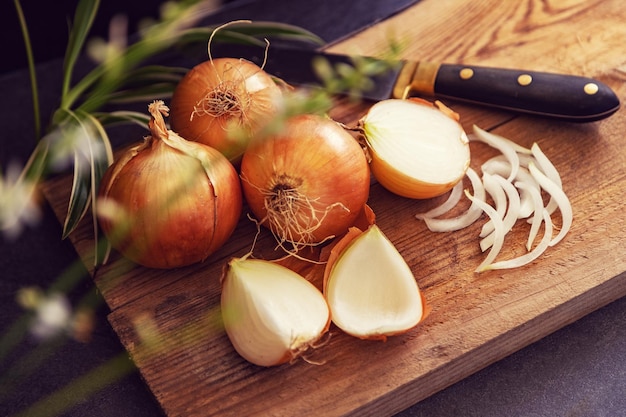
(175, 207)
(417, 150)
(230, 128)
(271, 314)
(316, 162)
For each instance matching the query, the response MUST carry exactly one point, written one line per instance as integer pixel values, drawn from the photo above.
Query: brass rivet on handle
(466, 73)
(591, 88)
(524, 79)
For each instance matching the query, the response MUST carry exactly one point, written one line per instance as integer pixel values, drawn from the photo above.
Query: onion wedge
(272, 315)
(371, 291)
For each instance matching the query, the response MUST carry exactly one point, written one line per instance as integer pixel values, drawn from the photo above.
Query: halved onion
(370, 289)
(418, 150)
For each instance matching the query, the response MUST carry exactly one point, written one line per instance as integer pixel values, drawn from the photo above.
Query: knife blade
(558, 96)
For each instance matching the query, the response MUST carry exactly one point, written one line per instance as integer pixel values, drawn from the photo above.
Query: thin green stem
(31, 68)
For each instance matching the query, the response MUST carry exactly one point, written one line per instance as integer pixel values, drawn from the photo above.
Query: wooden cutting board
(169, 321)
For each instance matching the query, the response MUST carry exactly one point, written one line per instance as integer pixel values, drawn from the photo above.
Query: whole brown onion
(169, 202)
(224, 103)
(307, 184)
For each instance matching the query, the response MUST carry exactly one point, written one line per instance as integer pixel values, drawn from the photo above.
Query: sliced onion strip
(498, 230)
(468, 217)
(512, 212)
(546, 166)
(495, 190)
(499, 166)
(561, 199)
(535, 194)
(530, 256)
(508, 148)
(454, 196)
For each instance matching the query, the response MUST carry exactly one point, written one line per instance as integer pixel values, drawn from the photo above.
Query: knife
(557, 96)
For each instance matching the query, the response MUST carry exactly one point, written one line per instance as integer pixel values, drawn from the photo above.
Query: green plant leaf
(123, 117)
(252, 33)
(37, 164)
(99, 165)
(154, 73)
(202, 34)
(143, 94)
(83, 20)
(266, 29)
(80, 196)
(100, 83)
(106, 79)
(92, 156)
(147, 83)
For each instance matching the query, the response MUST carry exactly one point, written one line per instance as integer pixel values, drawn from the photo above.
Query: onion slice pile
(516, 181)
(371, 291)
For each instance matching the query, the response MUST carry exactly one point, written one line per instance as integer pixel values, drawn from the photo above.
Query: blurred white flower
(18, 202)
(53, 312)
(74, 144)
(101, 50)
(54, 316)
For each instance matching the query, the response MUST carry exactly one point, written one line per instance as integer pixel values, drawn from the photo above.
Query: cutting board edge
(557, 318)
(474, 360)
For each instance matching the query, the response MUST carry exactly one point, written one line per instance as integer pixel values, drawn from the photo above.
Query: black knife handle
(565, 97)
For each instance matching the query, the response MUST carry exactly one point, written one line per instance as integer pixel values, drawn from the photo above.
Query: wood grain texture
(170, 320)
